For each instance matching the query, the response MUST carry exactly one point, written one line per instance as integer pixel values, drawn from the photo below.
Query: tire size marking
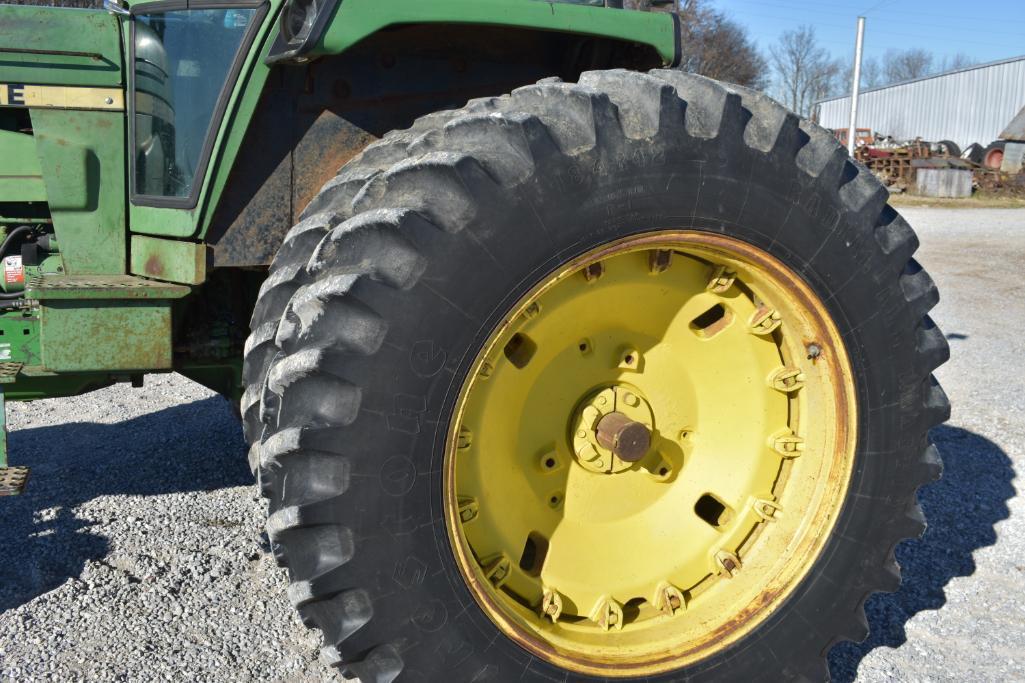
(398, 475)
(406, 417)
(427, 359)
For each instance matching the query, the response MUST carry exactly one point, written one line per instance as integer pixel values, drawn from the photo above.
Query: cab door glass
(181, 66)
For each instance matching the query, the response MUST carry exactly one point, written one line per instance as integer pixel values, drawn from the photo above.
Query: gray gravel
(137, 555)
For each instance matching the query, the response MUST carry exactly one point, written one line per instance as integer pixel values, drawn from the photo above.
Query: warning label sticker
(13, 272)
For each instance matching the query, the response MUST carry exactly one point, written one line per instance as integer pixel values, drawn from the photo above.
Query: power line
(877, 6)
(948, 40)
(916, 16)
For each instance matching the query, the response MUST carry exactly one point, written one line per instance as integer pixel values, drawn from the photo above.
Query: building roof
(926, 78)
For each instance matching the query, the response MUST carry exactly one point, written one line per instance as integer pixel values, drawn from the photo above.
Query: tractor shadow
(961, 509)
(196, 446)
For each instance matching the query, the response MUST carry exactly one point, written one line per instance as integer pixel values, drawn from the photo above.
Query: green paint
(245, 93)
(19, 337)
(100, 287)
(52, 33)
(21, 179)
(233, 129)
(170, 260)
(81, 336)
(87, 322)
(165, 222)
(357, 19)
(81, 154)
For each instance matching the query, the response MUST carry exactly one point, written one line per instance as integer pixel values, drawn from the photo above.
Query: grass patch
(979, 200)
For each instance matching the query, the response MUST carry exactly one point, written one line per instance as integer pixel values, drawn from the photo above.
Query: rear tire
(950, 148)
(380, 299)
(993, 156)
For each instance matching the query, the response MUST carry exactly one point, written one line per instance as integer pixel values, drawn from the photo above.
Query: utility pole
(852, 129)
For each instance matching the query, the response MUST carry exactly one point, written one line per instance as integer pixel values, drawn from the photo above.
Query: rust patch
(330, 143)
(153, 266)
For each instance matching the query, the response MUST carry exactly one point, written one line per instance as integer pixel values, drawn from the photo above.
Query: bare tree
(956, 61)
(904, 65)
(804, 70)
(718, 47)
(871, 76)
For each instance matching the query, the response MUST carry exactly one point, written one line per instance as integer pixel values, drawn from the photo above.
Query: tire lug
(728, 564)
(766, 509)
(607, 613)
(721, 280)
(787, 444)
(551, 604)
(497, 569)
(659, 260)
(787, 379)
(464, 439)
(669, 599)
(468, 508)
(765, 320)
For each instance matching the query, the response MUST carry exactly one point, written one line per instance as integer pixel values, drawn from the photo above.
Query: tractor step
(51, 286)
(13, 480)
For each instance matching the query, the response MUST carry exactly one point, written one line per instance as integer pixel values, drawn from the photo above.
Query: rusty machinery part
(383, 302)
(993, 155)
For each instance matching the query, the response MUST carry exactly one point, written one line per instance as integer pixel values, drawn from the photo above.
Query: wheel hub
(646, 456)
(611, 430)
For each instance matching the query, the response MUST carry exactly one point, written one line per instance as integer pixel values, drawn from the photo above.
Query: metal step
(52, 286)
(13, 480)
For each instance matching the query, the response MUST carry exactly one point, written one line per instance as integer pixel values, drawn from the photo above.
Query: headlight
(297, 20)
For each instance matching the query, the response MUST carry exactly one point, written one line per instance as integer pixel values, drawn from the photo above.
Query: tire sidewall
(518, 236)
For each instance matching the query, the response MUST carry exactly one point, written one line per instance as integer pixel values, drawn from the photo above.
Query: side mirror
(116, 8)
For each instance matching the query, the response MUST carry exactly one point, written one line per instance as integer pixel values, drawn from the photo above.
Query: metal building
(965, 105)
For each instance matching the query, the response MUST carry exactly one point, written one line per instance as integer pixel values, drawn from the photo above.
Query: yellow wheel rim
(649, 453)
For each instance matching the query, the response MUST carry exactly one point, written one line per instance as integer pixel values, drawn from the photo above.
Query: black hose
(3, 252)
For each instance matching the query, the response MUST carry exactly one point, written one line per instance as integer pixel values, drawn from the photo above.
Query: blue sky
(985, 30)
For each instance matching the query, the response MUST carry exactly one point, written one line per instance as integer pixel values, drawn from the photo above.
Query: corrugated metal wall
(966, 106)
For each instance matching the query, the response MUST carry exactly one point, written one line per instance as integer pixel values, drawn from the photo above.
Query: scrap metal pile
(995, 168)
(897, 163)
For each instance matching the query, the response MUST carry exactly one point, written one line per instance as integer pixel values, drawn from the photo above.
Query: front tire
(381, 299)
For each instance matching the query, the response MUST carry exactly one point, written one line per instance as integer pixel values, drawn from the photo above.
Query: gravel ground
(136, 553)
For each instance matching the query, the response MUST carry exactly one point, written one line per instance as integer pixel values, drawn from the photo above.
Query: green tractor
(556, 362)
